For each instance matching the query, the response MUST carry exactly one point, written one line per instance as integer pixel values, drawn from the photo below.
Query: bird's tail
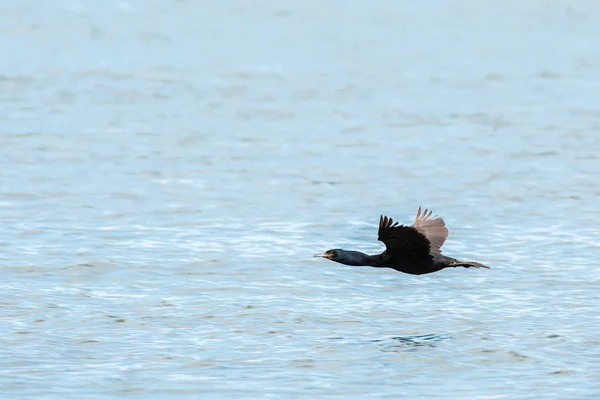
(467, 264)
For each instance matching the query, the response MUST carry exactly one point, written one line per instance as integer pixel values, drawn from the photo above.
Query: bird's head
(333, 255)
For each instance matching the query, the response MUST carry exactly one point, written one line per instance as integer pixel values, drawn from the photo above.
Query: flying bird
(415, 249)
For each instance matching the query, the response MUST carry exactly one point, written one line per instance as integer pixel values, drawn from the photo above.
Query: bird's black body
(414, 249)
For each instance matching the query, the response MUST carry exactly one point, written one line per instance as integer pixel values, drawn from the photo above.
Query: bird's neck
(357, 258)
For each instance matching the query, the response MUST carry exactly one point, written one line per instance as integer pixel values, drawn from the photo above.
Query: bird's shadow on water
(399, 344)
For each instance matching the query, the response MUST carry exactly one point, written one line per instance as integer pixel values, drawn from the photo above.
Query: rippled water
(169, 168)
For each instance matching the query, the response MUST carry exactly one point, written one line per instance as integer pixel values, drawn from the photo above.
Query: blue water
(169, 167)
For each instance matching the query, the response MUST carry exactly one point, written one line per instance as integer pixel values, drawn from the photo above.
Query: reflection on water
(410, 343)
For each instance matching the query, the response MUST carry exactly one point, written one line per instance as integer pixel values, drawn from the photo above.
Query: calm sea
(168, 168)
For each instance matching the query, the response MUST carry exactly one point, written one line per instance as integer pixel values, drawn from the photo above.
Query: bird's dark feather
(402, 241)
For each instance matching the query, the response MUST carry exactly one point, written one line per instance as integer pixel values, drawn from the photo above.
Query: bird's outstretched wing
(402, 241)
(434, 229)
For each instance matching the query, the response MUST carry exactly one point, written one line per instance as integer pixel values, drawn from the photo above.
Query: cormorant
(414, 249)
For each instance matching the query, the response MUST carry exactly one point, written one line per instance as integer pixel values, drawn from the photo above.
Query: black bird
(414, 249)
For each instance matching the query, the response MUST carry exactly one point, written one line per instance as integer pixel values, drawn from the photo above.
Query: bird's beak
(324, 255)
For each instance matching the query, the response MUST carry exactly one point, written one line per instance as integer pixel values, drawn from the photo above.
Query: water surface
(169, 168)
